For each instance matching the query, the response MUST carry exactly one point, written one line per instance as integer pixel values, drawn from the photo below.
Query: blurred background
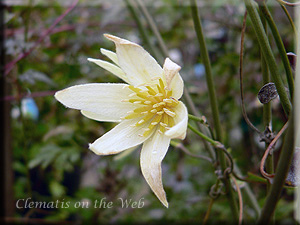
(47, 158)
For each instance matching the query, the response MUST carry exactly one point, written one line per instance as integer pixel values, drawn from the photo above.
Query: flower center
(156, 107)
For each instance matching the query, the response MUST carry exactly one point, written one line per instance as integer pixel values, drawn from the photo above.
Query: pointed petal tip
(90, 59)
(112, 38)
(174, 65)
(95, 150)
(165, 203)
(58, 95)
(119, 41)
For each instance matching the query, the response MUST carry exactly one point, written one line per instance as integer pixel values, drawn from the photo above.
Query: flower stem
(206, 138)
(267, 110)
(153, 27)
(280, 176)
(213, 103)
(268, 55)
(141, 29)
(265, 11)
(290, 19)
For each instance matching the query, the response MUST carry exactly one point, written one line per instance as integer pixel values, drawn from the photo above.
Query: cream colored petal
(170, 70)
(99, 117)
(177, 86)
(135, 61)
(152, 154)
(181, 121)
(120, 138)
(102, 99)
(173, 79)
(110, 67)
(111, 55)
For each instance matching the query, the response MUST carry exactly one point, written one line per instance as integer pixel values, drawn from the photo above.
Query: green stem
(206, 138)
(207, 65)
(263, 7)
(213, 103)
(141, 28)
(191, 107)
(267, 52)
(280, 176)
(290, 20)
(267, 110)
(153, 28)
(192, 117)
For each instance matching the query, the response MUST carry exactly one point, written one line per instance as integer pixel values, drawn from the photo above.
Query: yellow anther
(169, 112)
(167, 100)
(163, 124)
(141, 121)
(132, 94)
(158, 95)
(156, 105)
(147, 102)
(146, 112)
(160, 112)
(137, 102)
(130, 112)
(125, 100)
(153, 111)
(154, 123)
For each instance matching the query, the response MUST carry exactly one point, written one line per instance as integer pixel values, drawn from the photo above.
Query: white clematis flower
(147, 107)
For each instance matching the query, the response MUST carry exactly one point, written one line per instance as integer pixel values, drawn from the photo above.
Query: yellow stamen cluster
(156, 106)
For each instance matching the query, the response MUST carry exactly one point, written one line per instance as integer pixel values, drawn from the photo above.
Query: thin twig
(11, 64)
(218, 145)
(263, 160)
(28, 95)
(211, 202)
(290, 20)
(241, 75)
(186, 151)
(153, 27)
(240, 200)
(289, 3)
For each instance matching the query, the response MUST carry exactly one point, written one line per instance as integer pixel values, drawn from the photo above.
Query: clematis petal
(110, 67)
(98, 117)
(152, 154)
(173, 79)
(135, 61)
(111, 55)
(120, 138)
(170, 70)
(181, 121)
(102, 99)
(177, 86)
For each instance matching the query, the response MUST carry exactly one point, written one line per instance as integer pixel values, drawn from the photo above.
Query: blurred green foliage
(51, 160)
